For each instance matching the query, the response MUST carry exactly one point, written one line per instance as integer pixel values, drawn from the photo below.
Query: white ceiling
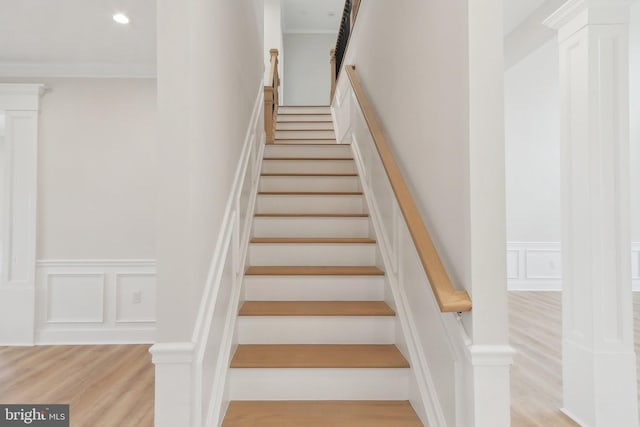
(79, 37)
(55, 34)
(312, 16)
(516, 11)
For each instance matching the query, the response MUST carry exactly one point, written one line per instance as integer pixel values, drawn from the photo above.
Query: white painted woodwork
(314, 288)
(311, 227)
(284, 110)
(324, 151)
(319, 384)
(20, 104)
(310, 183)
(599, 370)
(316, 329)
(328, 125)
(305, 141)
(310, 204)
(285, 118)
(308, 166)
(305, 134)
(84, 302)
(317, 254)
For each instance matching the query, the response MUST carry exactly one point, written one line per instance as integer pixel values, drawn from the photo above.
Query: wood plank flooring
(536, 376)
(105, 386)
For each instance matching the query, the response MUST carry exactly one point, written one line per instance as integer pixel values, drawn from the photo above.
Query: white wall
(424, 109)
(96, 169)
(210, 67)
(307, 68)
(273, 37)
(634, 115)
(532, 135)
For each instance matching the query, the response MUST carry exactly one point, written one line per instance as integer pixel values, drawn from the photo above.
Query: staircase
(316, 337)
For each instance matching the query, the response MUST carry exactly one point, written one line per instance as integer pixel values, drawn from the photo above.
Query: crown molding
(76, 70)
(598, 12)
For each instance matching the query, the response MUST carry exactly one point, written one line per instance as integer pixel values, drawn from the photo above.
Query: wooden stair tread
(319, 175)
(321, 413)
(271, 270)
(311, 215)
(309, 158)
(316, 308)
(312, 240)
(318, 356)
(302, 121)
(310, 193)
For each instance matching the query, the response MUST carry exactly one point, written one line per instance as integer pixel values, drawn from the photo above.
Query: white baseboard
(537, 266)
(95, 302)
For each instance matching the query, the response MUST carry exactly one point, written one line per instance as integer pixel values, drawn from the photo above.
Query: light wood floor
(536, 376)
(106, 386)
(109, 386)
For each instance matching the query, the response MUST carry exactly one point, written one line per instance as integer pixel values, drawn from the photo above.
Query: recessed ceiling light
(121, 18)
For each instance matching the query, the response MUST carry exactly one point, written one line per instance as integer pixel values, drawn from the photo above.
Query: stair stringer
(395, 250)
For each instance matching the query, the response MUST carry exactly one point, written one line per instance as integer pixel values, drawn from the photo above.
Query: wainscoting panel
(537, 266)
(534, 266)
(95, 301)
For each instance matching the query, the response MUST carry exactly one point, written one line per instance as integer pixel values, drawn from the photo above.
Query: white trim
(521, 278)
(77, 70)
(20, 103)
(103, 325)
(96, 263)
(170, 353)
(491, 355)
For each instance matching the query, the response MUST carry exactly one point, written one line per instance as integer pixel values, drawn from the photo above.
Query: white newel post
(490, 356)
(599, 371)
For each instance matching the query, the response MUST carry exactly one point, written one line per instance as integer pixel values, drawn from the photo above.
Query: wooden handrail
(449, 299)
(271, 98)
(332, 61)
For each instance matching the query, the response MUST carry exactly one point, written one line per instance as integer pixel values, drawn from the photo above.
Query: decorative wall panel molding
(95, 301)
(537, 266)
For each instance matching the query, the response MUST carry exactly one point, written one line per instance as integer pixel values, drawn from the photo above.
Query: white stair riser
(308, 166)
(282, 118)
(319, 384)
(311, 227)
(310, 204)
(308, 151)
(310, 183)
(303, 110)
(305, 134)
(306, 141)
(314, 288)
(316, 330)
(302, 254)
(305, 125)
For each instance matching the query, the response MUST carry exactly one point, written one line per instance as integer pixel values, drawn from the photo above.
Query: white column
(599, 371)
(20, 104)
(490, 356)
